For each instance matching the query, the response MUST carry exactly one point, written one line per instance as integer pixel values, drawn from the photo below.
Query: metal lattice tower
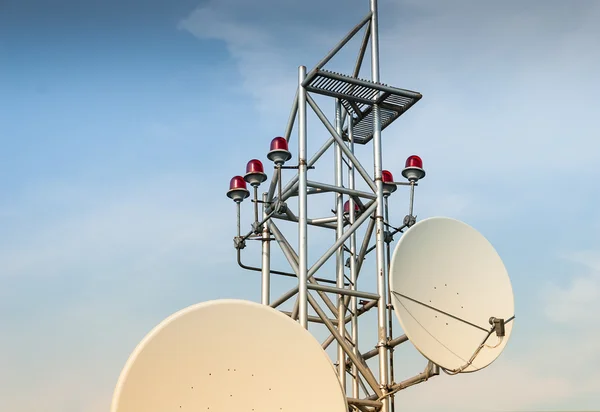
(445, 283)
(363, 108)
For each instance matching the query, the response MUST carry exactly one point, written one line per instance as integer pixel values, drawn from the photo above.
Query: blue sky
(121, 125)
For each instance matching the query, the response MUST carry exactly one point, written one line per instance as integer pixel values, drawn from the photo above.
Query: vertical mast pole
(302, 200)
(379, 227)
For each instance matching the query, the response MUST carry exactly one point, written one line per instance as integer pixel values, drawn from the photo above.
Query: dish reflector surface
(225, 356)
(447, 281)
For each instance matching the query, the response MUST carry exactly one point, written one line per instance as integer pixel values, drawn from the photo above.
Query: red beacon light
(279, 153)
(389, 186)
(255, 173)
(347, 207)
(414, 169)
(237, 189)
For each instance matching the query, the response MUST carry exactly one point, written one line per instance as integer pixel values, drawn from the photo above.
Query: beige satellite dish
(228, 356)
(451, 294)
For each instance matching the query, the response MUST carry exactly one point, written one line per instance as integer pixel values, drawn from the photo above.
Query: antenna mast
(363, 108)
(445, 282)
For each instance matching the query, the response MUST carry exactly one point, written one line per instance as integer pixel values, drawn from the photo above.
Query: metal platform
(358, 97)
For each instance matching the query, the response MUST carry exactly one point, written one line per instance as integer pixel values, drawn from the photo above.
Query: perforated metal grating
(358, 97)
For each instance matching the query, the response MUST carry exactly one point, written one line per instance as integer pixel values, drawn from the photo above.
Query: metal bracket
(388, 237)
(409, 220)
(256, 228)
(239, 242)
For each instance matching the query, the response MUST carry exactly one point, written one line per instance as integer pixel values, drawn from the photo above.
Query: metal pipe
(339, 253)
(363, 386)
(284, 298)
(365, 245)
(340, 141)
(292, 118)
(368, 306)
(364, 402)
(353, 273)
(389, 299)
(412, 198)
(363, 250)
(313, 319)
(291, 215)
(327, 342)
(256, 205)
(293, 190)
(391, 343)
(342, 291)
(363, 49)
(266, 258)
(397, 341)
(430, 371)
(379, 227)
(341, 189)
(279, 171)
(312, 191)
(238, 207)
(302, 199)
(277, 272)
(362, 408)
(341, 44)
(331, 219)
(362, 367)
(296, 309)
(313, 222)
(285, 248)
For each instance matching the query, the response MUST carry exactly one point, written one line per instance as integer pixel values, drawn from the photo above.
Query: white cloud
(267, 75)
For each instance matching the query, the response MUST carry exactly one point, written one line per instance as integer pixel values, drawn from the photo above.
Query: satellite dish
(451, 294)
(228, 355)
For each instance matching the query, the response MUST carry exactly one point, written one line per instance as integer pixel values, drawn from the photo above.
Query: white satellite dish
(228, 355)
(447, 282)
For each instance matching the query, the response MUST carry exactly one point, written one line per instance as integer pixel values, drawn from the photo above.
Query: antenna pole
(379, 227)
(302, 200)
